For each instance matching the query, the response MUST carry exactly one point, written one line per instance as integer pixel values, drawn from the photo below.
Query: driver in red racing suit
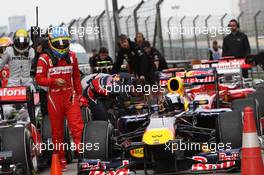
(57, 70)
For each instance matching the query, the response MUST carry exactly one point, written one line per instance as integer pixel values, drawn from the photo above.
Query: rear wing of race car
(193, 77)
(202, 76)
(18, 95)
(227, 65)
(206, 76)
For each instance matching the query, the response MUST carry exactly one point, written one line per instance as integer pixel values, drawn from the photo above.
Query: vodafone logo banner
(15, 94)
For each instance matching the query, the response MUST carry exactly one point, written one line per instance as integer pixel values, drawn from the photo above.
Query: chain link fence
(181, 37)
(177, 37)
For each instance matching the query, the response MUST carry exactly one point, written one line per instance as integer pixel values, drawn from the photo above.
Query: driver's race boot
(64, 165)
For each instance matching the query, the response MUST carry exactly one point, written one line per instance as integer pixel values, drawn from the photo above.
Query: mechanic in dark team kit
(236, 43)
(103, 56)
(133, 55)
(57, 70)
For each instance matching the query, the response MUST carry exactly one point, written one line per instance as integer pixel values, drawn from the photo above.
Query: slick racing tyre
(86, 115)
(229, 129)
(259, 96)
(45, 128)
(97, 137)
(47, 135)
(20, 142)
(240, 104)
(68, 152)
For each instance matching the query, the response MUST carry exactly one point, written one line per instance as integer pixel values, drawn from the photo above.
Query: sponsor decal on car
(228, 156)
(100, 168)
(13, 94)
(204, 166)
(224, 66)
(137, 153)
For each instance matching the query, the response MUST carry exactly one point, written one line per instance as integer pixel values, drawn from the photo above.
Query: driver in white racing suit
(19, 59)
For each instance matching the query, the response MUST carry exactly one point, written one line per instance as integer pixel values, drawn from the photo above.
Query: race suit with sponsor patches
(62, 101)
(19, 67)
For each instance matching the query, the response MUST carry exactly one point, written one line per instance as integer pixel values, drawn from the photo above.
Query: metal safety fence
(177, 37)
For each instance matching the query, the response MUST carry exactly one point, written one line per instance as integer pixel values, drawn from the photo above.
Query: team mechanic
(57, 70)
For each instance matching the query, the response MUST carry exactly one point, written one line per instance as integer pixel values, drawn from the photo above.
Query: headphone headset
(139, 33)
(234, 20)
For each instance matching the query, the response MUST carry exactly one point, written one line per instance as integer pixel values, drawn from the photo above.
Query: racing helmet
(21, 41)
(100, 85)
(4, 43)
(59, 41)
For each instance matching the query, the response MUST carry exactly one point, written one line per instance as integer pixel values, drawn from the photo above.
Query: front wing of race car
(161, 134)
(219, 161)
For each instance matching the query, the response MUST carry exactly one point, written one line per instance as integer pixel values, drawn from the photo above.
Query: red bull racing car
(183, 134)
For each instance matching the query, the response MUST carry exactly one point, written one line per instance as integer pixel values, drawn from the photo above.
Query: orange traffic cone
(55, 165)
(252, 163)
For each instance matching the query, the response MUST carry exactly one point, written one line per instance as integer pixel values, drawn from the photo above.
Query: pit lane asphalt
(73, 167)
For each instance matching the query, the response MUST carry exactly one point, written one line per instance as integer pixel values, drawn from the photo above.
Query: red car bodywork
(227, 92)
(4, 75)
(12, 95)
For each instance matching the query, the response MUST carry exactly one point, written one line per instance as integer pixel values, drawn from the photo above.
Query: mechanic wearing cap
(58, 71)
(156, 62)
(19, 59)
(133, 55)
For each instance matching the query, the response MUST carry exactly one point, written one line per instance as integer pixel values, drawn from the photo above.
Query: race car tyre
(229, 129)
(46, 135)
(45, 128)
(86, 114)
(259, 87)
(240, 104)
(22, 147)
(99, 110)
(97, 140)
(68, 152)
(259, 96)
